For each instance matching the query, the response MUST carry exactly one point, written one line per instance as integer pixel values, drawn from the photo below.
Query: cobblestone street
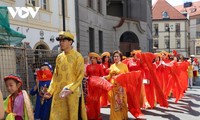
(188, 108)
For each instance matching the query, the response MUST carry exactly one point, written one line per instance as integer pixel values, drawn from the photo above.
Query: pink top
(18, 106)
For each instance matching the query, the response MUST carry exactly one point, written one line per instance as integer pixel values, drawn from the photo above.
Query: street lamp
(167, 28)
(63, 14)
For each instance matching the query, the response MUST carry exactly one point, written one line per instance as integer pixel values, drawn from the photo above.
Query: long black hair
(103, 60)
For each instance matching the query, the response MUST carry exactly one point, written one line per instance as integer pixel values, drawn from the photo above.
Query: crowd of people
(79, 86)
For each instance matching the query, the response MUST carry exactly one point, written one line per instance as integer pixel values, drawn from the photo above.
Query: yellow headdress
(105, 54)
(65, 35)
(93, 54)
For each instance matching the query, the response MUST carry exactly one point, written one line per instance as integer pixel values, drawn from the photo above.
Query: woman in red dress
(93, 97)
(105, 65)
(135, 64)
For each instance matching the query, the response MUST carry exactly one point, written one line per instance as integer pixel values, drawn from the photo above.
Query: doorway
(128, 42)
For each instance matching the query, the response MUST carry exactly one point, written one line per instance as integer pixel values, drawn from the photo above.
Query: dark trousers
(79, 110)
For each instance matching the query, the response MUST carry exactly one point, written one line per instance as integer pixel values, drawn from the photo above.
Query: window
(167, 42)
(90, 3)
(115, 8)
(156, 29)
(198, 21)
(178, 43)
(29, 1)
(99, 6)
(91, 40)
(32, 2)
(66, 8)
(44, 4)
(167, 27)
(178, 30)
(198, 50)
(60, 8)
(155, 43)
(165, 15)
(100, 41)
(197, 34)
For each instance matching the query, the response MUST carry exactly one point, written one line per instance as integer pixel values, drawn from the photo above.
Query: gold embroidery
(64, 67)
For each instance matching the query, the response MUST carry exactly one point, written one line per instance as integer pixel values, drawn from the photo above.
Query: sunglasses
(61, 38)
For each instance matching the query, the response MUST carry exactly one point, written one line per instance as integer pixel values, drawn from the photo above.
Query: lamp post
(63, 13)
(168, 29)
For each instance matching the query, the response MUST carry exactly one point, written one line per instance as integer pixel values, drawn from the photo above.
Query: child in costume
(42, 106)
(17, 105)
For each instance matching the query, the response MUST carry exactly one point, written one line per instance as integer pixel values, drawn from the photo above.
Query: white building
(192, 10)
(42, 30)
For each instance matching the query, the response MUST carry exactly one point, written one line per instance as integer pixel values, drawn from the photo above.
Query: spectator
(1, 106)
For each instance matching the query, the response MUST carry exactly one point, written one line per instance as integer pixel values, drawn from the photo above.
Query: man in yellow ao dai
(68, 75)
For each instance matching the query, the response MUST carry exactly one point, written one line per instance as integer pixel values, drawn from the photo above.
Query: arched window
(165, 15)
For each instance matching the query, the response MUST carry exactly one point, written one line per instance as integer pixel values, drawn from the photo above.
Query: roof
(193, 10)
(163, 6)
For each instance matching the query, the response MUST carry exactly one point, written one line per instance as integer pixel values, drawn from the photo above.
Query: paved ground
(188, 108)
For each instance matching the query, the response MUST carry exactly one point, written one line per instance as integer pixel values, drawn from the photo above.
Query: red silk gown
(93, 98)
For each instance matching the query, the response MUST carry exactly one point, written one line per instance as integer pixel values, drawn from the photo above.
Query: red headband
(13, 77)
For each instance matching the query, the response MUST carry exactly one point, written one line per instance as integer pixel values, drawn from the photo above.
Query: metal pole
(63, 13)
(169, 38)
(77, 24)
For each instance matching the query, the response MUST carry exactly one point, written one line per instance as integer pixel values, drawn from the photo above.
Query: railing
(23, 62)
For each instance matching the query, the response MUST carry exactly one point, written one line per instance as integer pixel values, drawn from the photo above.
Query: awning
(8, 36)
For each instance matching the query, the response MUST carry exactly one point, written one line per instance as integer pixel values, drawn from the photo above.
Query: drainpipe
(77, 24)
(150, 25)
(63, 13)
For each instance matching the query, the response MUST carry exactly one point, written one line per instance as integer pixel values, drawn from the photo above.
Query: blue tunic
(42, 107)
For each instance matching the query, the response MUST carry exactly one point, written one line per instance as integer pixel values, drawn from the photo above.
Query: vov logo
(23, 12)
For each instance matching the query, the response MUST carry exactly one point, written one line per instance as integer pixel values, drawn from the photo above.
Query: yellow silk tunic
(190, 71)
(117, 96)
(1, 106)
(69, 72)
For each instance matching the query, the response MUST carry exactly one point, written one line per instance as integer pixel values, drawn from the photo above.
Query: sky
(176, 2)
